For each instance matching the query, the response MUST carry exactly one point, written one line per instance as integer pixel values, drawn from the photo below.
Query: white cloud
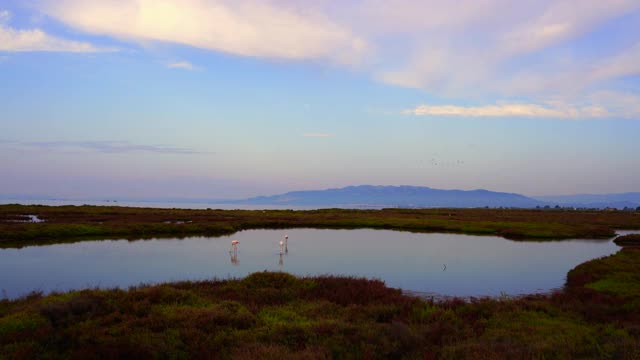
(624, 104)
(5, 16)
(518, 54)
(626, 63)
(14, 40)
(558, 110)
(110, 147)
(185, 65)
(479, 49)
(443, 47)
(322, 135)
(442, 72)
(572, 77)
(464, 57)
(248, 28)
(560, 21)
(409, 16)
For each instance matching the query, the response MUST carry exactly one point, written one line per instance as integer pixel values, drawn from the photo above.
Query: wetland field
(76, 223)
(115, 282)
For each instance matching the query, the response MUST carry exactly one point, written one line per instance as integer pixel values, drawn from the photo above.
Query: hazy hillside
(405, 196)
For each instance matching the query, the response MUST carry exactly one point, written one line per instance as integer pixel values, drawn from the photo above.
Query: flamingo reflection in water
(234, 252)
(286, 244)
(280, 262)
(284, 249)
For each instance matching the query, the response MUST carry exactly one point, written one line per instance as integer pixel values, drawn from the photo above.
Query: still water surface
(180, 205)
(444, 264)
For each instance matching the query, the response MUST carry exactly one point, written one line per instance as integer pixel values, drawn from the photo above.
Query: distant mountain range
(417, 196)
(392, 196)
(369, 196)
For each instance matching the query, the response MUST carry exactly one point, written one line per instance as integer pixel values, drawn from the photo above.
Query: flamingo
(234, 251)
(281, 245)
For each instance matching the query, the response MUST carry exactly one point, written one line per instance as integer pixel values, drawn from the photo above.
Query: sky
(221, 99)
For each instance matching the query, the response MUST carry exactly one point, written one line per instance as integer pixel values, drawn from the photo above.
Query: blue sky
(224, 99)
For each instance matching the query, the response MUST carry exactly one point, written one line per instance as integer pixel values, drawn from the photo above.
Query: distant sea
(175, 205)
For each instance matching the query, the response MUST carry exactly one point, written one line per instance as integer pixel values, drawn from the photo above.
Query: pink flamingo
(234, 245)
(234, 251)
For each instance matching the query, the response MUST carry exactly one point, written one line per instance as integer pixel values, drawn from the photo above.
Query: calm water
(177, 205)
(475, 265)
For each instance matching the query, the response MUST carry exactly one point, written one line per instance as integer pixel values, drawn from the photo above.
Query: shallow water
(28, 219)
(444, 264)
(180, 205)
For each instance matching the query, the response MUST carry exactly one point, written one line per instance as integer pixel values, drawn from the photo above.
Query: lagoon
(428, 264)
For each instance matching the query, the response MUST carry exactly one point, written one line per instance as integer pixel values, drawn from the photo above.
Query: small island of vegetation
(628, 240)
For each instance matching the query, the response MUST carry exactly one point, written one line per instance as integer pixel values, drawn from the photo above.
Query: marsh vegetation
(75, 223)
(628, 240)
(277, 315)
